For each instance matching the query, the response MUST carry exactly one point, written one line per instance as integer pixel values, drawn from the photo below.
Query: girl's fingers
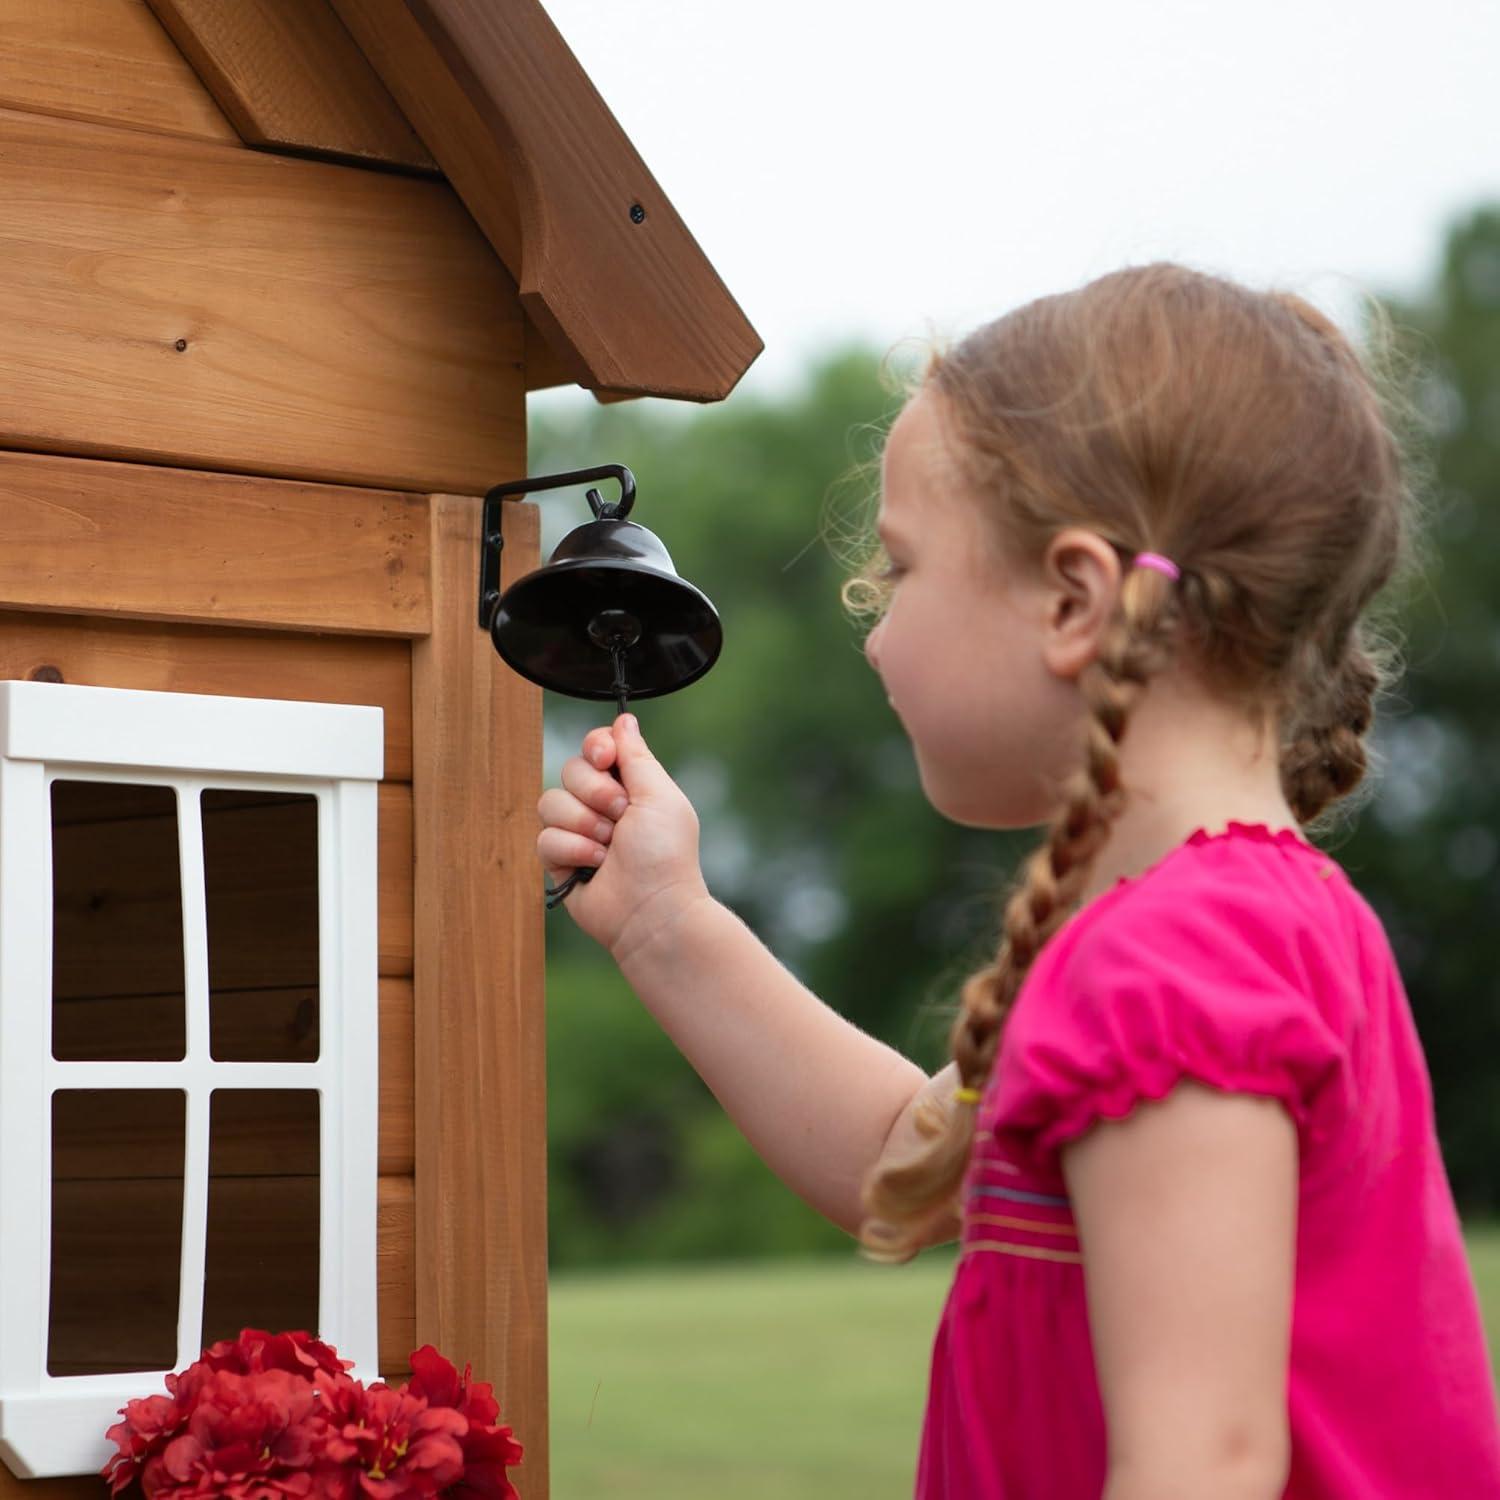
(560, 850)
(599, 748)
(597, 789)
(578, 817)
(560, 809)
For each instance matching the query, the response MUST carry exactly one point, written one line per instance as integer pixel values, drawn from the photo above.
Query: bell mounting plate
(492, 541)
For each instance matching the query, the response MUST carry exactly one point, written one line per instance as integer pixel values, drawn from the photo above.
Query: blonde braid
(903, 1197)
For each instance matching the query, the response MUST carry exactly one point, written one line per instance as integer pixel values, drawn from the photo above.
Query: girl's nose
(872, 646)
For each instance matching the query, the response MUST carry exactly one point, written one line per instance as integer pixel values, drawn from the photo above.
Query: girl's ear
(1081, 581)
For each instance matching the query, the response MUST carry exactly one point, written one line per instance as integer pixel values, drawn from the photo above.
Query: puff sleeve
(1213, 988)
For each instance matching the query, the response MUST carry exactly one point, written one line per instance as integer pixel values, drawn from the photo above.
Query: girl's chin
(971, 801)
(960, 803)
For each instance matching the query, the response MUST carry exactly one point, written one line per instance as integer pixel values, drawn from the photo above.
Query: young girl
(1186, 1142)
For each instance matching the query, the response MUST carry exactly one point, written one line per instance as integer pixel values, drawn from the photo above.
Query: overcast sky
(885, 170)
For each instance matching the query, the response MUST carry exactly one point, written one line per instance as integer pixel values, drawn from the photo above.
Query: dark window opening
(260, 860)
(117, 1171)
(261, 1267)
(117, 973)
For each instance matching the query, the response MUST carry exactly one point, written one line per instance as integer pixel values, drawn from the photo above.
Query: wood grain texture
(395, 881)
(234, 663)
(74, 1487)
(334, 324)
(289, 77)
(545, 367)
(398, 1131)
(396, 1251)
(479, 1020)
(449, 126)
(83, 536)
(395, 42)
(524, 137)
(107, 61)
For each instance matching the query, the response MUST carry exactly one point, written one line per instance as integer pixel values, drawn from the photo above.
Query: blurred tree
(816, 831)
(1426, 856)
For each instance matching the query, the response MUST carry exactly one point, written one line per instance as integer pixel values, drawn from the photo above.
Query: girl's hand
(639, 833)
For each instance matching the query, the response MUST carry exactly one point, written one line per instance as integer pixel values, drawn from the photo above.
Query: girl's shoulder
(1211, 903)
(1240, 958)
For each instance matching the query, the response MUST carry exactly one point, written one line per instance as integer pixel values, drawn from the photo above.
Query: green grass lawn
(1484, 1257)
(802, 1380)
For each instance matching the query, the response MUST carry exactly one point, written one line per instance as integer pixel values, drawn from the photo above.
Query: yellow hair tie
(966, 1096)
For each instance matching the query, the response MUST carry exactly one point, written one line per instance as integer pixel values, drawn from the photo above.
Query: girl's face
(967, 650)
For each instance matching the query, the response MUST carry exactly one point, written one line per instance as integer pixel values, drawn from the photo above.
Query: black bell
(607, 616)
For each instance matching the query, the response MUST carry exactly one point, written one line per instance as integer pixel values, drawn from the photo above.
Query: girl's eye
(889, 573)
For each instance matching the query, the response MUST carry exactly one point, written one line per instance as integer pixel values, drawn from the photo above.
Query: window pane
(117, 1160)
(117, 985)
(262, 1261)
(260, 853)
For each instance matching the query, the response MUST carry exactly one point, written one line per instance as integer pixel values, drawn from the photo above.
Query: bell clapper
(616, 630)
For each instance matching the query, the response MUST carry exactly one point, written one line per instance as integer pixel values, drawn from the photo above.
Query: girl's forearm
(813, 1094)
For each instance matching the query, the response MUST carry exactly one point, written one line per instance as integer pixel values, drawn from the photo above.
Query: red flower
(255, 1350)
(249, 1438)
(270, 1415)
(487, 1450)
(148, 1425)
(487, 1447)
(387, 1444)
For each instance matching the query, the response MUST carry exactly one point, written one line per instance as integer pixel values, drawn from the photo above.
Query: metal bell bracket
(493, 540)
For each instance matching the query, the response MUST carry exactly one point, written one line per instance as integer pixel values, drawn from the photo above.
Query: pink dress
(1245, 960)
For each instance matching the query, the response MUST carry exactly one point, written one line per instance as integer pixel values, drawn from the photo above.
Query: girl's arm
(817, 1097)
(813, 1094)
(1186, 1214)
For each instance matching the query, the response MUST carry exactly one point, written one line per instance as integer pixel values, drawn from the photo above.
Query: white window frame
(50, 1424)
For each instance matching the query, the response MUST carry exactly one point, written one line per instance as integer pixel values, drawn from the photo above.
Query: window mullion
(199, 1080)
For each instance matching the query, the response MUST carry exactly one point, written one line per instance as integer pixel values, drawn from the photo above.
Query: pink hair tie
(1157, 561)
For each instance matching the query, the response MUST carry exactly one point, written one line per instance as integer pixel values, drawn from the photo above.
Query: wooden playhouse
(275, 279)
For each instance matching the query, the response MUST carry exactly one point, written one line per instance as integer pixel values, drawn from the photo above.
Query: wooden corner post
(481, 1202)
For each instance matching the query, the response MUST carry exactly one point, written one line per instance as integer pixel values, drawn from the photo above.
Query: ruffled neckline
(1260, 833)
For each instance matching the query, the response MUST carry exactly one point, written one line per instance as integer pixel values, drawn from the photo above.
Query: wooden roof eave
(608, 273)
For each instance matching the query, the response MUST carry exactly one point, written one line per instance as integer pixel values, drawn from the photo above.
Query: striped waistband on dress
(1001, 1218)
